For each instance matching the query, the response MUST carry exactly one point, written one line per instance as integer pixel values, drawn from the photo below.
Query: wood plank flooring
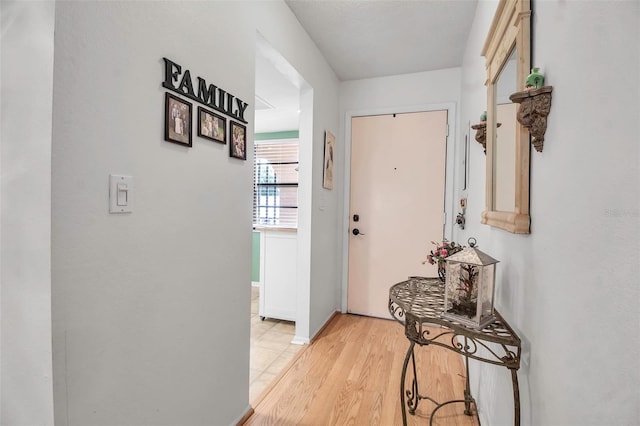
(350, 375)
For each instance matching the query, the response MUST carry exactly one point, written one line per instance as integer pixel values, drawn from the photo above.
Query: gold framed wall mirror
(507, 53)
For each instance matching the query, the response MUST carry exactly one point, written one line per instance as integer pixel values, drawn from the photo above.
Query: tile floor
(271, 348)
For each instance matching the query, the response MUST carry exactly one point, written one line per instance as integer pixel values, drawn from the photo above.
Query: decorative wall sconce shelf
(535, 105)
(481, 134)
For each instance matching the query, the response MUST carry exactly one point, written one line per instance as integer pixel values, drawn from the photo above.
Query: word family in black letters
(209, 95)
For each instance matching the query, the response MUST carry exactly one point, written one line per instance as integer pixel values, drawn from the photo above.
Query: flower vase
(442, 271)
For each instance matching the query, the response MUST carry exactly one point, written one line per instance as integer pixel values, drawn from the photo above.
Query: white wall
(151, 309)
(319, 241)
(429, 87)
(25, 219)
(570, 288)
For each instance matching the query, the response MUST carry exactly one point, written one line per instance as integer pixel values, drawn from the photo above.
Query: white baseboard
(243, 417)
(297, 340)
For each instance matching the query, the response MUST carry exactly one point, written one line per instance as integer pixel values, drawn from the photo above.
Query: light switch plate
(120, 194)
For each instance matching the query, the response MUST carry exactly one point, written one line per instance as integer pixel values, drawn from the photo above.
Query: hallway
(350, 374)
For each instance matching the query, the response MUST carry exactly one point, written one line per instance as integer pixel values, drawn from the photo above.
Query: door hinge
(447, 130)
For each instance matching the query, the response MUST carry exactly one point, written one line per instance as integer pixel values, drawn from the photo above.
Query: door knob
(356, 231)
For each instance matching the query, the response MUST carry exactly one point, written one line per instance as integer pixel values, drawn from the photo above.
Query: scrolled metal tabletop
(423, 299)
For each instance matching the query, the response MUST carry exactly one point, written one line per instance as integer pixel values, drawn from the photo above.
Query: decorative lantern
(469, 287)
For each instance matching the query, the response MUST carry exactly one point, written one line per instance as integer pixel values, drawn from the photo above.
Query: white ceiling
(362, 39)
(277, 91)
(374, 38)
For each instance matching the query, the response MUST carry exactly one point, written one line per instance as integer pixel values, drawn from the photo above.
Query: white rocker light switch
(120, 194)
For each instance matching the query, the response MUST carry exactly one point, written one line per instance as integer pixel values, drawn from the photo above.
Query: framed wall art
(237, 140)
(212, 126)
(177, 120)
(329, 150)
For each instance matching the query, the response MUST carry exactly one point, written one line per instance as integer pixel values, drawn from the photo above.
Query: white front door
(396, 204)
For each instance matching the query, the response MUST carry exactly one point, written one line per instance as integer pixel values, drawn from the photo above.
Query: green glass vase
(535, 79)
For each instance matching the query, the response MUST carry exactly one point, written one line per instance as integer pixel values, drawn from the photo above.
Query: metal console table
(420, 301)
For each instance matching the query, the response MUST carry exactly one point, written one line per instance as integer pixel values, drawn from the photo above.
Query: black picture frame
(177, 120)
(212, 126)
(237, 140)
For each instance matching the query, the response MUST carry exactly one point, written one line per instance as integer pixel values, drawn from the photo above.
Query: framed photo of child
(237, 141)
(177, 120)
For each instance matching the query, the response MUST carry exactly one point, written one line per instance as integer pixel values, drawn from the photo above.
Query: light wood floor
(350, 374)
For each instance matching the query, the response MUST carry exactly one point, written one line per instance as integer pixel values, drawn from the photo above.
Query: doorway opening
(281, 250)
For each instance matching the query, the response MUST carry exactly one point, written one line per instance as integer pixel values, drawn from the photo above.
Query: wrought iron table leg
(516, 396)
(467, 390)
(414, 385)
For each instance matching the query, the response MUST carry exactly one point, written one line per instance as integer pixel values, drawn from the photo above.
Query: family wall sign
(178, 118)
(209, 95)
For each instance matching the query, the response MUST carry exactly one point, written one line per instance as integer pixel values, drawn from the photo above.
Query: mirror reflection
(504, 152)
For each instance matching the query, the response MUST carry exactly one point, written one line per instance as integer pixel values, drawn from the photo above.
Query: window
(275, 183)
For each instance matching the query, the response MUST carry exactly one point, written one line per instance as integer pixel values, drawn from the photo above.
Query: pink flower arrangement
(442, 251)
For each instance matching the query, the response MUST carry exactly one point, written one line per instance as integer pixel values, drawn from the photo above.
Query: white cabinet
(278, 274)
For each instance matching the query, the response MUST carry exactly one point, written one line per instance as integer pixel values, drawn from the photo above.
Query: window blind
(275, 188)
